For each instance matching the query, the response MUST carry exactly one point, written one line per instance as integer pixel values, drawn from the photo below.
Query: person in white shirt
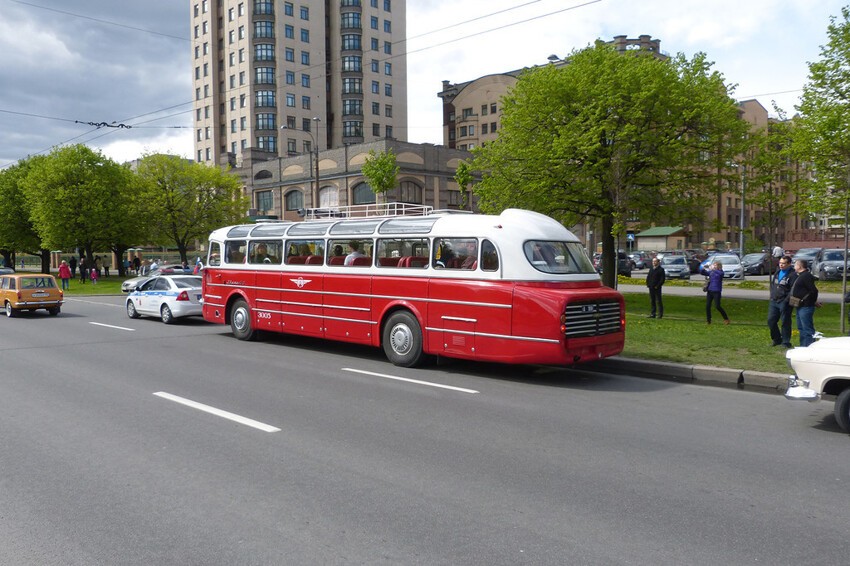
(353, 252)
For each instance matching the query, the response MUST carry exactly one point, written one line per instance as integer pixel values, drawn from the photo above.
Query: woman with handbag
(804, 298)
(713, 290)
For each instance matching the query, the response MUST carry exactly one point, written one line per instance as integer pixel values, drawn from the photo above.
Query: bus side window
(214, 258)
(235, 251)
(489, 257)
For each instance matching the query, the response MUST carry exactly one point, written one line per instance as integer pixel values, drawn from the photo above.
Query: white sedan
(822, 370)
(168, 297)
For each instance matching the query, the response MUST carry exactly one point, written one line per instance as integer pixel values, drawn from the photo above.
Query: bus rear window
(557, 257)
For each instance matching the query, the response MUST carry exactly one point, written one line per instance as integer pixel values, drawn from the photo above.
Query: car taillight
(184, 296)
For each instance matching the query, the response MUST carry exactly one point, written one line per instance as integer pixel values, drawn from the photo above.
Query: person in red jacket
(65, 275)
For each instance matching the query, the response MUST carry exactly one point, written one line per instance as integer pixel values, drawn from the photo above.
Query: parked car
(828, 264)
(732, 266)
(822, 371)
(624, 264)
(760, 263)
(807, 254)
(166, 269)
(29, 292)
(168, 297)
(676, 267)
(640, 260)
(6, 271)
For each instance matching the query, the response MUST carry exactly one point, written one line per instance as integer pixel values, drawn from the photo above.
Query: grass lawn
(681, 336)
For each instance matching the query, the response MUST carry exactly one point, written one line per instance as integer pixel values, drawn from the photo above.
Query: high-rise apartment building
(281, 76)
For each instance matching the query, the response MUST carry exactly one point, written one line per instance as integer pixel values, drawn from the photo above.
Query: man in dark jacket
(778, 308)
(804, 288)
(654, 281)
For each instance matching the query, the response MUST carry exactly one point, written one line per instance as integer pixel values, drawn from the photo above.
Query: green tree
(463, 178)
(381, 171)
(78, 197)
(613, 137)
(187, 200)
(17, 233)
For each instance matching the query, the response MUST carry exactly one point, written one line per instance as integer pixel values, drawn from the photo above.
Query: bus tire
(402, 340)
(240, 321)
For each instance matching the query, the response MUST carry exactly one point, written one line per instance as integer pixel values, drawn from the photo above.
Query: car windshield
(808, 251)
(557, 257)
(728, 260)
(673, 260)
(753, 257)
(833, 256)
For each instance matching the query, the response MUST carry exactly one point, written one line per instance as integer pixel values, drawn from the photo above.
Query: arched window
(363, 194)
(410, 192)
(328, 197)
(263, 174)
(294, 200)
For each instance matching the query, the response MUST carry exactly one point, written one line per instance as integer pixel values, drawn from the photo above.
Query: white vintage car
(822, 371)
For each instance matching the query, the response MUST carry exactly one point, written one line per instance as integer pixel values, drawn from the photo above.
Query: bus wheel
(402, 340)
(240, 321)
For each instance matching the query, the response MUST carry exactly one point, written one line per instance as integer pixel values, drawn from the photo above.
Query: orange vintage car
(29, 292)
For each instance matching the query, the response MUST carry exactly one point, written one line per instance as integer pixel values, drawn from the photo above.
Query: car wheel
(131, 310)
(53, 311)
(842, 410)
(402, 340)
(240, 321)
(166, 315)
(10, 312)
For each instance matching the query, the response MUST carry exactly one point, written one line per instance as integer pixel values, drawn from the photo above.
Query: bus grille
(593, 318)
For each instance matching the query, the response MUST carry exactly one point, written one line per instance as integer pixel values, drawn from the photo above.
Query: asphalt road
(350, 460)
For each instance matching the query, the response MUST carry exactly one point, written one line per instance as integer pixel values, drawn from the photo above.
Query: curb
(696, 374)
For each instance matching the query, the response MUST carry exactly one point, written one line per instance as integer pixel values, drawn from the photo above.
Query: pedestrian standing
(714, 289)
(778, 309)
(73, 264)
(654, 281)
(65, 275)
(804, 298)
(84, 273)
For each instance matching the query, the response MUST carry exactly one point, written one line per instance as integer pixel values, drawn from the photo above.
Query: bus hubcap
(401, 339)
(239, 319)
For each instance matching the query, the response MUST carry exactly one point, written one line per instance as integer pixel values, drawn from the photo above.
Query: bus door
(265, 257)
(301, 288)
(347, 300)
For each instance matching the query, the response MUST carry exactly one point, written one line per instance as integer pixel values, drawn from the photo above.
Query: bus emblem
(300, 282)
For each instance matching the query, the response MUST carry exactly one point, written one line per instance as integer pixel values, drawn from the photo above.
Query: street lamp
(314, 140)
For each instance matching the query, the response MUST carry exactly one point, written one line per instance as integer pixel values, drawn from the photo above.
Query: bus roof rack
(373, 210)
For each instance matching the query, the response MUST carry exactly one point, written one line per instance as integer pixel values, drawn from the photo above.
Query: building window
(352, 129)
(373, 22)
(290, 100)
(290, 147)
(483, 109)
(388, 27)
(241, 32)
(388, 69)
(492, 127)
(328, 197)
(376, 130)
(243, 123)
(263, 76)
(410, 192)
(306, 124)
(290, 122)
(388, 89)
(305, 102)
(462, 132)
(267, 121)
(288, 9)
(243, 100)
(493, 108)
(387, 6)
(289, 55)
(262, 52)
(305, 35)
(352, 86)
(388, 48)
(233, 126)
(483, 129)
(305, 57)
(374, 44)
(351, 20)
(263, 7)
(388, 111)
(376, 87)
(352, 107)
(472, 130)
(352, 63)
(265, 201)
(289, 31)
(373, 3)
(351, 42)
(363, 194)
(376, 109)
(263, 29)
(305, 13)
(290, 78)
(346, 3)
(294, 200)
(305, 80)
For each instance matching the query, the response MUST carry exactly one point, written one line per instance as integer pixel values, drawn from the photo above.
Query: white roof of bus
(521, 225)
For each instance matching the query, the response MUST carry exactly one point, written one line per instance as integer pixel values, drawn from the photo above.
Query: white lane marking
(93, 302)
(115, 327)
(217, 412)
(416, 381)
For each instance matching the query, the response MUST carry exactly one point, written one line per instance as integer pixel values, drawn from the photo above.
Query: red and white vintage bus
(512, 288)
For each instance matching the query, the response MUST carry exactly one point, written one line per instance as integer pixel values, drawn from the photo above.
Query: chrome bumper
(798, 390)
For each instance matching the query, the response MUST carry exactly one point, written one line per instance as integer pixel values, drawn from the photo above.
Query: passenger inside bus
(261, 254)
(353, 252)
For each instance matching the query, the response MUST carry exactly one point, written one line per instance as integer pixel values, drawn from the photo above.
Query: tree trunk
(609, 253)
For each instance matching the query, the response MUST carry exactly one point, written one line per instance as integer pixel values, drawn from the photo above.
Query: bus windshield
(557, 257)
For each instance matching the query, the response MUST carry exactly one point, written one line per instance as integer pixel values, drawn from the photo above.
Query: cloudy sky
(68, 64)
